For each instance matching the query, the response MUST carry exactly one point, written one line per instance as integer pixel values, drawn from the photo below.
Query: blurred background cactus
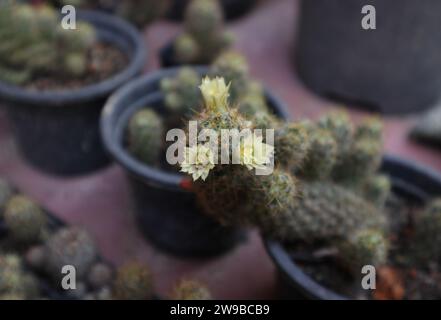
(33, 42)
(133, 282)
(145, 135)
(204, 38)
(191, 290)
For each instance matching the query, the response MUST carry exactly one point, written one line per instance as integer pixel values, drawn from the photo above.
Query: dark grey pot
(58, 131)
(395, 68)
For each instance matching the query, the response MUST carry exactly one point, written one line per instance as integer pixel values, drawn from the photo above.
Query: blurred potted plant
(54, 82)
(203, 38)
(133, 125)
(232, 9)
(394, 68)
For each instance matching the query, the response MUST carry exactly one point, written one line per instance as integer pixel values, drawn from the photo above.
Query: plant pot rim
(293, 272)
(55, 98)
(161, 178)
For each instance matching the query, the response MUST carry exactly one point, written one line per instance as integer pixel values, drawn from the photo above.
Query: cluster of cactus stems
(139, 12)
(33, 42)
(324, 186)
(35, 248)
(204, 38)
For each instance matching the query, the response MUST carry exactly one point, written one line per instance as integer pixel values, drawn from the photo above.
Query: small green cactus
(32, 41)
(364, 247)
(181, 93)
(427, 242)
(203, 38)
(142, 12)
(340, 126)
(145, 133)
(321, 156)
(14, 281)
(133, 282)
(24, 219)
(376, 189)
(292, 144)
(191, 290)
(233, 67)
(70, 246)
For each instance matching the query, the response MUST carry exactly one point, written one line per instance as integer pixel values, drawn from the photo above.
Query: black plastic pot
(393, 69)
(167, 213)
(58, 131)
(410, 180)
(233, 9)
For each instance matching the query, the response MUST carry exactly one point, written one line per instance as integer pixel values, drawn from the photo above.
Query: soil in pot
(104, 60)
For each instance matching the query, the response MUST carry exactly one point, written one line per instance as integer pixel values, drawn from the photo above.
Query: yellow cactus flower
(215, 93)
(254, 153)
(198, 161)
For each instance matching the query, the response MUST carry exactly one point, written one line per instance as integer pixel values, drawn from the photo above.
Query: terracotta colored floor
(101, 202)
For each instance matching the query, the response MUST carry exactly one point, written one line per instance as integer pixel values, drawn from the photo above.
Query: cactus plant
(292, 144)
(25, 221)
(181, 95)
(70, 246)
(133, 282)
(427, 233)
(203, 38)
(364, 247)
(145, 134)
(14, 281)
(191, 290)
(32, 42)
(324, 211)
(142, 12)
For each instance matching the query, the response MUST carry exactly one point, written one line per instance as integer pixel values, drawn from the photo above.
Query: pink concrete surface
(101, 202)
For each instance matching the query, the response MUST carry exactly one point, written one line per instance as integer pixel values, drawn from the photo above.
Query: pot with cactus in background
(54, 81)
(203, 38)
(134, 125)
(232, 9)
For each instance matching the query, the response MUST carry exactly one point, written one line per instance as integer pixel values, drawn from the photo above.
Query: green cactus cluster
(142, 12)
(145, 134)
(133, 282)
(427, 233)
(25, 220)
(191, 290)
(15, 282)
(308, 197)
(204, 38)
(33, 42)
(181, 94)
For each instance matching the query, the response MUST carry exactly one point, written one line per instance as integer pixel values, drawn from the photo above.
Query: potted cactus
(54, 82)
(138, 12)
(232, 9)
(35, 246)
(133, 126)
(203, 38)
(326, 210)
